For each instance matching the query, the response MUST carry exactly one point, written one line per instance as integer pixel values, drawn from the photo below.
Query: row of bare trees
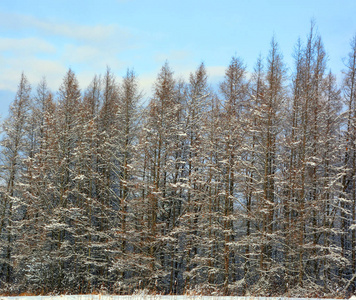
(246, 190)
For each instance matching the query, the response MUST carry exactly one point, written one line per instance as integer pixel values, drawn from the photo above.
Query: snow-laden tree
(124, 263)
(258, 241)
(162, 183)
(310, 174)
(249, 191)
(270, 111)
(35, 263)
(234, 92)
(247, 200)
(328, 250)
(14, 146)
(348, 196)
(193, 219)
(65, 201)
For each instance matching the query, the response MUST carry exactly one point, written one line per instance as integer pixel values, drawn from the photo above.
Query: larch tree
(34, 244)
(194, 219)
(329, 250)
(305, 198)
(348, 196)
(271, 116)
(248, 206)
(156, 146)
(234, 91)
(65, 202)
(13, 148)
(108, 187)
(88, 181)
(124, 262)
(246, 191)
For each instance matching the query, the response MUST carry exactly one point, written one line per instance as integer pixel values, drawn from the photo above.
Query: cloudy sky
(46, 37)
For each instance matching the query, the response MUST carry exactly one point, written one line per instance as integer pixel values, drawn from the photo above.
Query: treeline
(246, 190)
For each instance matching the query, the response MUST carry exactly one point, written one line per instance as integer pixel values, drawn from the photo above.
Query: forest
(247, 188)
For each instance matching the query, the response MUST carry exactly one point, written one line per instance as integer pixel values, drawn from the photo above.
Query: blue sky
(45, 38)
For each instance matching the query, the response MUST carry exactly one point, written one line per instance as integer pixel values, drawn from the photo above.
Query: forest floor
(148, 297)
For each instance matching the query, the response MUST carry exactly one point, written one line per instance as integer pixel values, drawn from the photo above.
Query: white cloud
(80, 54)
(95, 33)
(88, 33)
(146, 82)
(28, 45)
(216, 72)
(50, 48)
(92, 56)
(34, 69)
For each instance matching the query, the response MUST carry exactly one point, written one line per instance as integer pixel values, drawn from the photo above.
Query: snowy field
(147, 297)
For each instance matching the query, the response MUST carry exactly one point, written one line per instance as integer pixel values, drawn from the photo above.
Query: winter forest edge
(246, 190)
